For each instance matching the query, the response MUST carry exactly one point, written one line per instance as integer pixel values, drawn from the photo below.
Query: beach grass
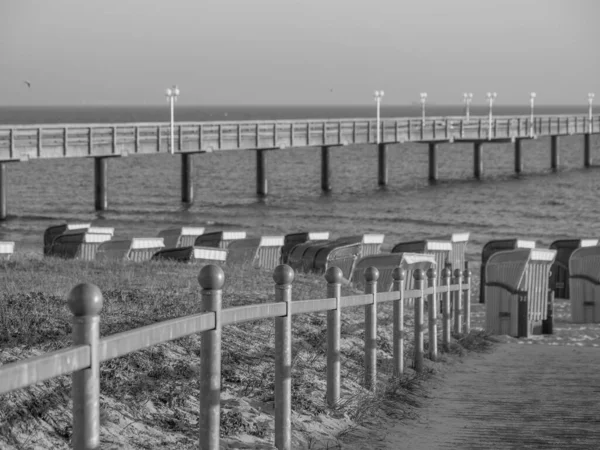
(150, 398)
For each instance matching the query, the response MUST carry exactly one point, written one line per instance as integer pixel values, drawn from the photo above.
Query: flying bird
(27, 83)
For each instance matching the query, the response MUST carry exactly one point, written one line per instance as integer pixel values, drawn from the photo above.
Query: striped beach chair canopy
(331, 254)
(386, 263)
(262, 252)
(584, 280)
(559, 279)
(180, 236)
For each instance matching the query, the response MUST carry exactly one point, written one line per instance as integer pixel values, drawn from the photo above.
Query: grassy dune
(149, 399)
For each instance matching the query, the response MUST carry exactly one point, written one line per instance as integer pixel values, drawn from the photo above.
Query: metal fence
(83, 359)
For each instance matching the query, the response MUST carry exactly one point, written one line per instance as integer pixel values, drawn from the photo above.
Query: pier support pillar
(587, 154)
(554, 155)
(261, 173)
(187, 183)
(325, 169)
(101, 181)
(382, 165)
(433, 168)
(2, 191)
(518, 156)
(477, 163)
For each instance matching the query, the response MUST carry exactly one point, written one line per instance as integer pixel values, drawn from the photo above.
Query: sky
(287, 52)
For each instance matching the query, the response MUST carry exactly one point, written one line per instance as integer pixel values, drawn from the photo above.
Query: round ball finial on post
(85, 299)
(446, 273)
(211, 277)
(419, 275)
(371, 274)
(399, 274)
(283, 274)
(431, 273)
(334, 275)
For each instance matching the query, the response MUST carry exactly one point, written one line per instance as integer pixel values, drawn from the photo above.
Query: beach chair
(584, 282)
(78, 244)
(459, 242)
(493, 247)
(219, 239)
(517, 290)
(192, 254)
(293, 239)
(54, 231)
(134, 249)
(180, 236)
(559, 279)
(263, 252)
(386, 263)
(338, 254)
(439, 248)
(7, 248)
(370, 243)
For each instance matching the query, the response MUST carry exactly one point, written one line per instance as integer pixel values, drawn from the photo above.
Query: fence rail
(24, 142)
(83, 359)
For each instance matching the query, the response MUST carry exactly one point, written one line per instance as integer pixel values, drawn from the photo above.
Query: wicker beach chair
(192, 254)
(517, 291)
(293, 239)
(496, 246)
(54, 231)
(439, 248)
(263, 252)
(78, 244)
(559, 279)
(180, 236)
(218, 239)
(584, 280)
(7, 248)
(134, 249)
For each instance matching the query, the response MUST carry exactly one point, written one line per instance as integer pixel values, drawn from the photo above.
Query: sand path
(516, 397)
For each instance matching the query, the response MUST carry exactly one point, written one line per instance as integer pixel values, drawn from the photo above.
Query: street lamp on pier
(423, 101)
(590, 101)
(531, 123)
(172, 94)
(491, 96)
(467, 99)
(378, 97)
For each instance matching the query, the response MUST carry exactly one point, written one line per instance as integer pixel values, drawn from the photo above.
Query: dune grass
(150, 397)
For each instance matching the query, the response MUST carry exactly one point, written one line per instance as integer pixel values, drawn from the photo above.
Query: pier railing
(83, 359)
(24, 142)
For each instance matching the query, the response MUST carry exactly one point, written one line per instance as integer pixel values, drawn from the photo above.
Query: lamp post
(590, 101)
(491, 96)
(423, 101)
(172, 94)
(378, 97)
(467, 98)
(531, 123)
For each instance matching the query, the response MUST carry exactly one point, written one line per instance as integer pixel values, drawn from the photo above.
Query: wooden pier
(102, 141)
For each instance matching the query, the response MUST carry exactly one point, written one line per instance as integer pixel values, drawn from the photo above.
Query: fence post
(211, 279)
(371, 277)
(458, 302)
(333, 276)
(85, 302)
(419, 276)
(283, 276)
(446, 278)
(432, 310)
(398, 316)
(467, 301)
